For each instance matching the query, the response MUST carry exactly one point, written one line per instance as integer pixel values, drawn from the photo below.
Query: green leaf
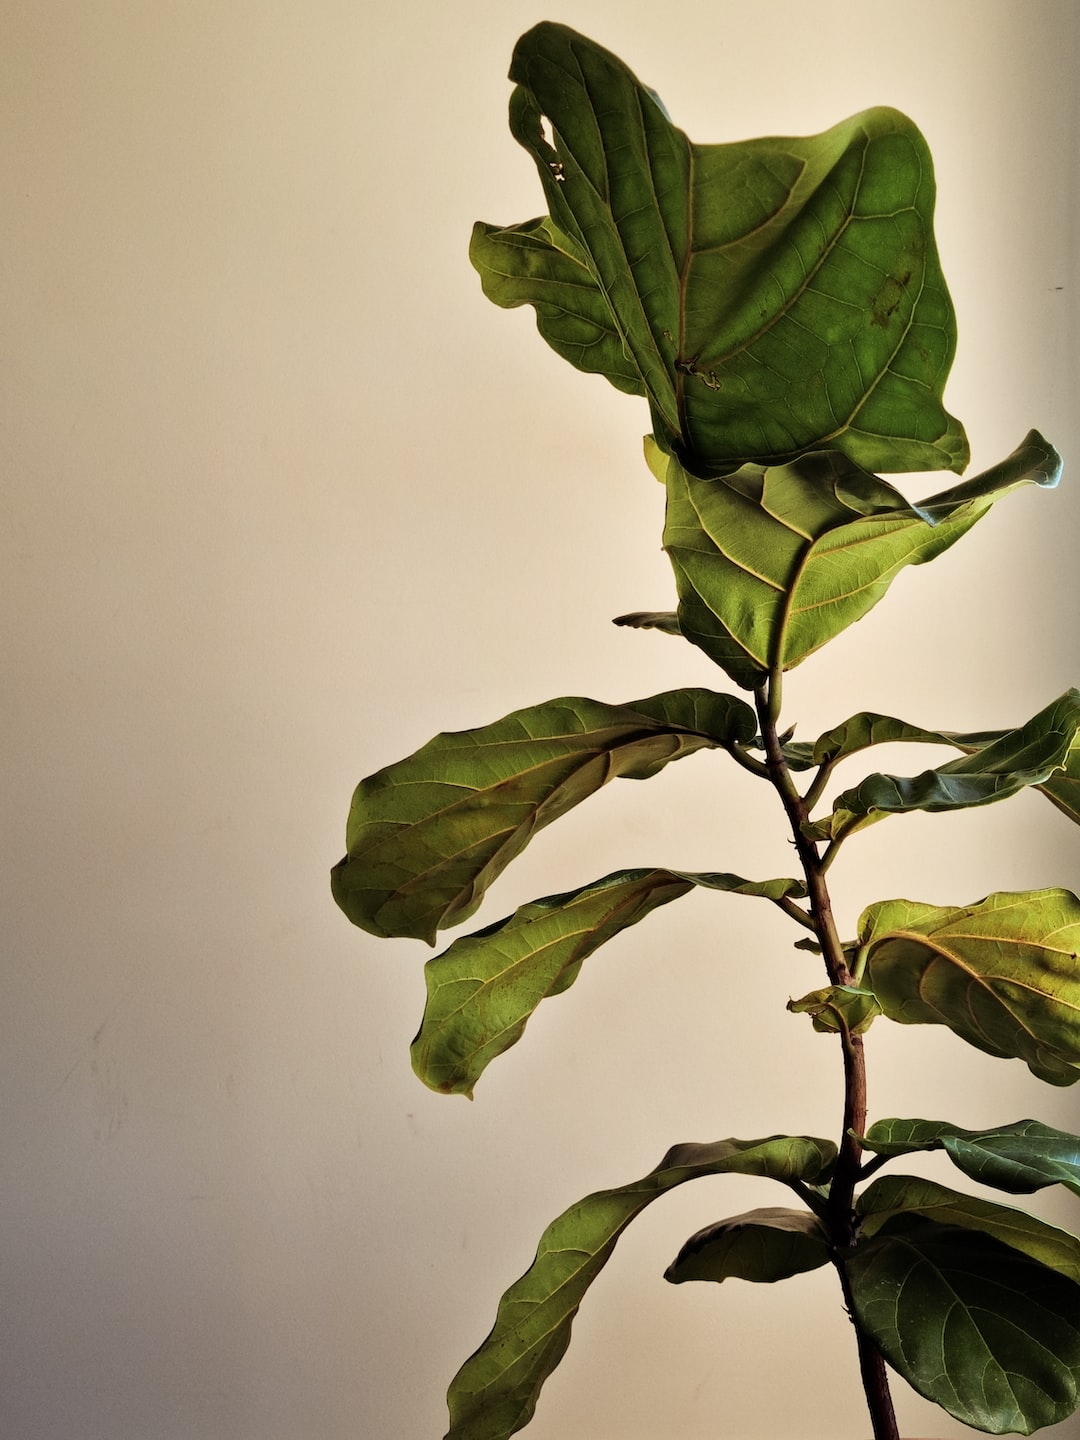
(1001, 766)
(906, 1195)
(1001, 973)
(763, 1245)
(837, 1008)
(537, 264)
(860, 732)
(772, 296)
(976, 1304)
(964, 1299)
(1063, 787)
(426, 836)
(482, 990)
(1020, 1158)
(773, 562)
(495, 1392)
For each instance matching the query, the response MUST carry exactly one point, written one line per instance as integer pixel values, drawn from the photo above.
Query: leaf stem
(817, 785)
(748, 761)
(831, 851)
(794, 909)
(839, 1216)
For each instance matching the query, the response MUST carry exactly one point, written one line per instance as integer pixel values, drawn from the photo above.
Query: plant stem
(839, 1217)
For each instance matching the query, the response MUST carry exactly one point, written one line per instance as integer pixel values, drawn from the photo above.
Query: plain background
(282, 497)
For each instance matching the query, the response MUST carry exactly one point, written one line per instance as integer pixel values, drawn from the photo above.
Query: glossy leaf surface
(770, 296)
(483, 989)
(1002, 974)
(1020, 1158)
(994, 770)
(495, 1392)
(762, 1245)
(773, 562)
(427, 835)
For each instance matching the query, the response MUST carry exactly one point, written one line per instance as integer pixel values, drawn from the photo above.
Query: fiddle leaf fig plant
(780, 305)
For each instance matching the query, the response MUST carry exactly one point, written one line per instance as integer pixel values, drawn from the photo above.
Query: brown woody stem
(839, 1216)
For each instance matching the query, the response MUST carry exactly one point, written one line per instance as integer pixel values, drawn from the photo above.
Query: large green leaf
(771, 296)
(995, 769)
(482, 990)
(988, 1334)
(427, 835)
(773, 562)
(1020, 1158)
(495, 1392)
(762, 1245)
(1001, 973)
(977, 1306)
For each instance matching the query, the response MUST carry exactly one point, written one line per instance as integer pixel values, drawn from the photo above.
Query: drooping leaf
(838, 1007)
(995, 769)
(483, 989)
(860, 732)
(773, 562)
(866, 729)
(772, 296)
(495, 1392)
(1020, 1158)
(762, 1245)
(976, 1306)
(426, 836)
(1003, 973)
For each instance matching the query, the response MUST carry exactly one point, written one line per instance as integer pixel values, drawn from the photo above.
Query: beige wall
(282, 496)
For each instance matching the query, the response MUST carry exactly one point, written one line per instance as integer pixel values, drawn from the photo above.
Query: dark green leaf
(1020, 1158)
(1063, 787)
(494, 1393)
(772, 295)
(838, 1007)
(482, 990)
(894, 1196)
(427, 835)
(763, 1245)
(1002, 973)
(773, 562)
(977, 1323)
(998, 768)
